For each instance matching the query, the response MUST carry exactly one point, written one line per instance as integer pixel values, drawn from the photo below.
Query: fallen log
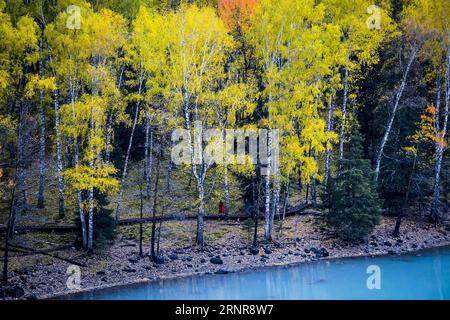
(41, 228)
(179, 216)
(43, 252)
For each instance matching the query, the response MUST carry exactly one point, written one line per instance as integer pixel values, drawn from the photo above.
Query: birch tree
(414, 35)
(196, 57)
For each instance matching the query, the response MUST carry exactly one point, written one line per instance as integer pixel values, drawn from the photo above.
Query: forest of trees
(359, 91)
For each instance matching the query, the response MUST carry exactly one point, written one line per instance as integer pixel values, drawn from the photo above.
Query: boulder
(321, 253)
(128, 269)
(159, 260)
(134, 259)
(173, 256)
(216, 260)
(221, 271)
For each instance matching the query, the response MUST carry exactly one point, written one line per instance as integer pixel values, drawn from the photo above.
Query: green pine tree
(354, 203)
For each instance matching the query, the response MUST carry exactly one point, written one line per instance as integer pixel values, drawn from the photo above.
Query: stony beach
(303, 238)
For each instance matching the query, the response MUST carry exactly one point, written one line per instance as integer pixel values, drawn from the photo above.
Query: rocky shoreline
(303, 239)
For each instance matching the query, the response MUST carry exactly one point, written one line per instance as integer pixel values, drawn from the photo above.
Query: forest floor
(301, 239)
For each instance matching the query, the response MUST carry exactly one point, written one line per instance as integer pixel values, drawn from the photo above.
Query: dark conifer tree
(354, 202)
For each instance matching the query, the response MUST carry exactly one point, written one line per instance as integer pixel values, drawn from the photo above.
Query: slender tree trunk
(314, 185)
(344, 115)
(255, 233)
(201, 213)
(42, 165)
(394, 110)
(22, 156)
(226, 190)
(155, 202)
(109, 129)
(124, 174)
(148, 153)
(141, 231)
(440, 145)
(9, 228)
(91, 192)
(330, 128)
(159, 232)
(169, 177)
(267, 225)
(109, 133)
(59, 165)
(285, 204)
(90, 241)
(76, 153)
(396, 232)
(275, 206)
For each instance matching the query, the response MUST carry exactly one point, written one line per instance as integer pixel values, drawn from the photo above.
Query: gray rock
(173, 256)
(221, 271)
(216, 260)
(134, 259)
(128, 269)
(159, 260)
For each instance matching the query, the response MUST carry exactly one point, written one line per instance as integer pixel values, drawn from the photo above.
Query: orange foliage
(237, 13)
(427, 130)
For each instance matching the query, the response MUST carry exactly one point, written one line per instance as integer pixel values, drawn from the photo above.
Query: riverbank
(301, 239)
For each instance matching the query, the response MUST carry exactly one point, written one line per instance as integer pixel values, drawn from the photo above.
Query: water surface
(417, 276)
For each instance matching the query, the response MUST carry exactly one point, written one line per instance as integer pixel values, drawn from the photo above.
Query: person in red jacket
(221, 207)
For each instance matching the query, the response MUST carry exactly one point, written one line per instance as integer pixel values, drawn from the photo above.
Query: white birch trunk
(148, 153)
(109, 128)
(42, 164)
(59, 165)
(330, 128)
(394, 110)
(267, 227)
(440, 145)
(344, 115)
(127, 157)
